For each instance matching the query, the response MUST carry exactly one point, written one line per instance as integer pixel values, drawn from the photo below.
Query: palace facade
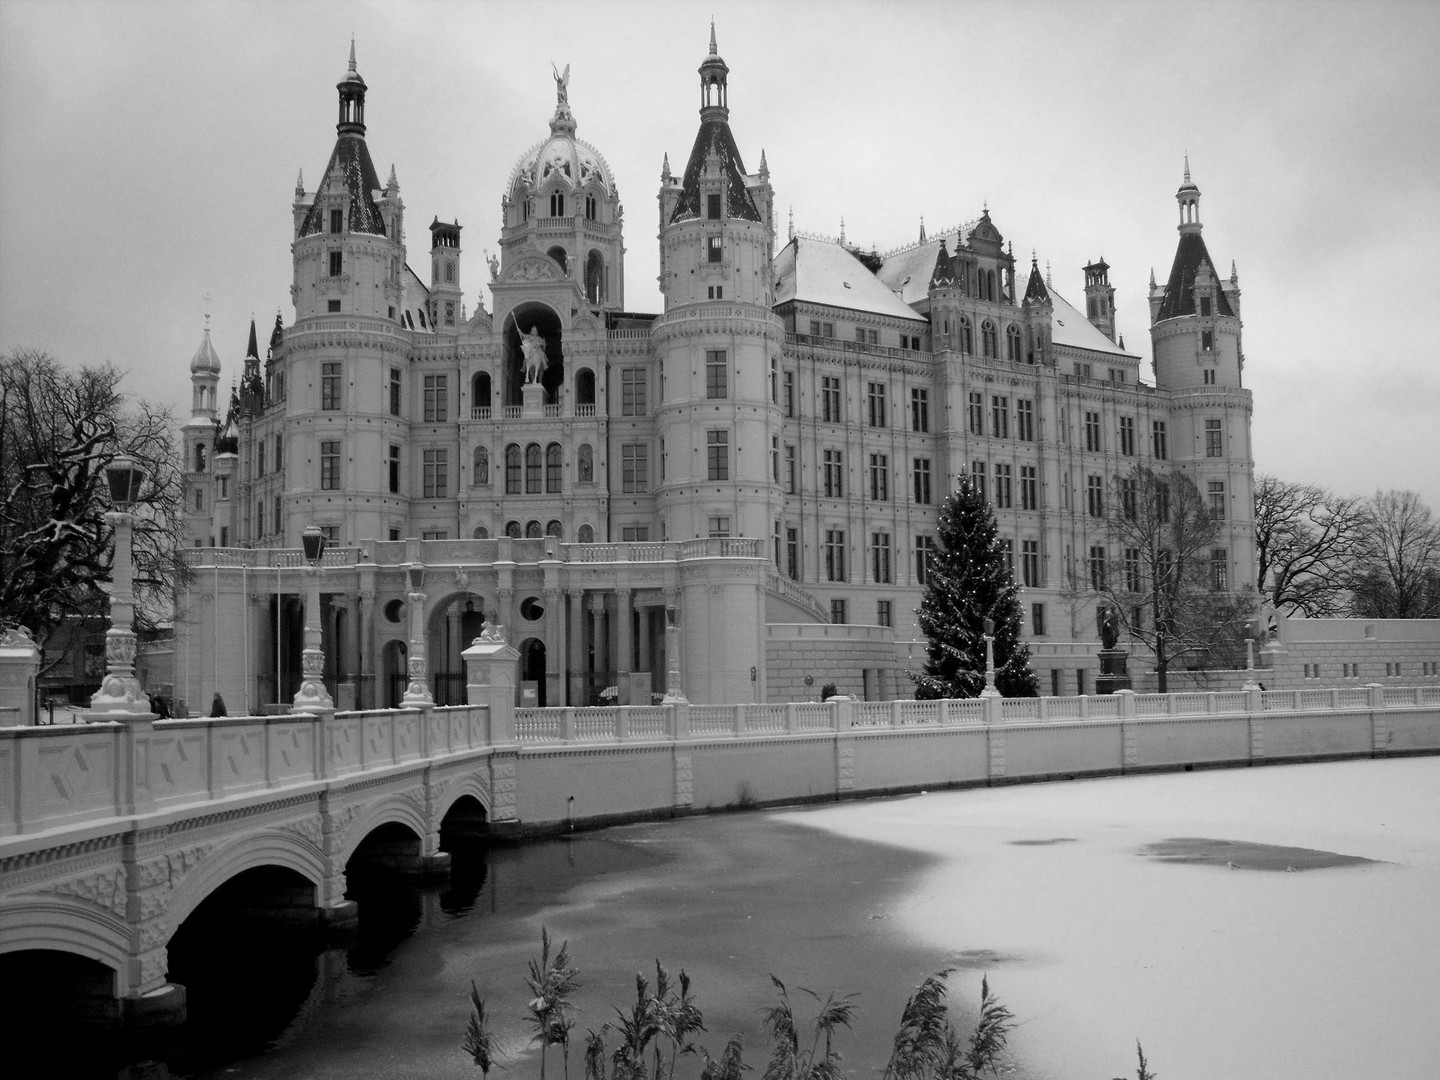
(732, 498)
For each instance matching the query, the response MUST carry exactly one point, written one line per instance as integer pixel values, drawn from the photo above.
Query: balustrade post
(792, 721)
(991, 707)
(1084, 707)
(844, 715)
(622, 723)
(943, 712)
(490, 665)
(567, 724)
(678, 713)
(1377, 695)
(1125, 703)
(737, 719)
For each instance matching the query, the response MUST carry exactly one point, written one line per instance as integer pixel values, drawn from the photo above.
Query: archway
(532, 672)
(464, 834)
(452, 623)
(393, 672)
(547, 324)
(382, 877)
(480, 395)
(595, 278)
(57, 993)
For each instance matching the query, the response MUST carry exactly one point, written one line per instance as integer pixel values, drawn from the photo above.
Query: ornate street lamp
(312, 693)
(120, 691)
(990, 690)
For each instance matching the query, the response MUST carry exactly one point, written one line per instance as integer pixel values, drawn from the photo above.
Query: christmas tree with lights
(966, 583)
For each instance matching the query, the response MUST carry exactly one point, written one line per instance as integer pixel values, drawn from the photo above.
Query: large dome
(575, 159)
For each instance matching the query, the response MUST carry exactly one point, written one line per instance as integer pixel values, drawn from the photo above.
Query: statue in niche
(532, 345)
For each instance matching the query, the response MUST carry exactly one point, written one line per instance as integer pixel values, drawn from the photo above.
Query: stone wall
(858, 660)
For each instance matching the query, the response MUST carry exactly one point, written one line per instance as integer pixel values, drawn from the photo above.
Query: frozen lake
(1225, 974)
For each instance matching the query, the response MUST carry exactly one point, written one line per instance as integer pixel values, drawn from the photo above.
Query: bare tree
(59, 428)
(1309, 542)
(1166, 581)
(1399, 577)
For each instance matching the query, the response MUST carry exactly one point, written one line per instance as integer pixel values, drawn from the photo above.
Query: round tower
(718, 340)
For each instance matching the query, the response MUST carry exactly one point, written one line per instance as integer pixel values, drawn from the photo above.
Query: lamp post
(312, 693)
(989, 690)
(120, 691)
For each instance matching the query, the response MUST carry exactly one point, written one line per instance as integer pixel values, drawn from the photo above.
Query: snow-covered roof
(1068, 326)
(413, 297)
(825, 272)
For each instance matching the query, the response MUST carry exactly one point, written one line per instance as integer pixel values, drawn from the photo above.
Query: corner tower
(718, 341)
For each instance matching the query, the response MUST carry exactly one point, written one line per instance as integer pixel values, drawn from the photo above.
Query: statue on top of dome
(562, 85)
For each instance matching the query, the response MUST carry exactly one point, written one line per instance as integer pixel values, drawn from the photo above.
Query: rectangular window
(1219, 570)
(633, 398)
(1158, 445)
(1007, 554)
(792, 553)
(1131, 564)
(1029, 488)
(1127, 436)
(714, 249)
(337, 264)
(330, 466)
(921, 473)
(634, 534)
(999, 416)
(775, 458)
(1025, 419)
(1092, 431)
(1095, 496)
(394, 465)
(778, 548)
(774, 381)
(884, 613)
(437, 398)
(1162, 502)
(259, 457)
(337, 220)
(1097, 568)
(1037, 620)
(279, 452)
(1216, 491)
(1207, 340)
(919, 410)
(199, 498)
(924, 548)
(835, 554)
(830, 399)
(791, 468)
(977, 477)
(277, 520)
(834, 461)
(712, 206)
(977, 414)
(634, 467)
(435, 534)
(880, 558)
(224, 535)
(330, 385)
(1209, 376)
(1213, 439)
(875, 396)
(837, 610)
(1030, 563)
(437, 473)
(224, 487)
(717, 455)
(788, 382)
(1002, 487)
(717, 382)
(879, 477)
(332, 534)
(718, 526)
(1129, 489)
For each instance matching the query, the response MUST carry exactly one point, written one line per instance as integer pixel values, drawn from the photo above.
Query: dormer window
(337, 221)
(712, 207)
(1205, 307)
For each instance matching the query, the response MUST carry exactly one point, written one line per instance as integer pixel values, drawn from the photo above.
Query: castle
(733, 498)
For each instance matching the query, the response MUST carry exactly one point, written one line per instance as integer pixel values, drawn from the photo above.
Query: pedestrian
(217, 707)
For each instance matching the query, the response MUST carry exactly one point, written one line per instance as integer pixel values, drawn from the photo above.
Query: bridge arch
(68, 925)
(470, 785)
(270, 848)
(391, 810)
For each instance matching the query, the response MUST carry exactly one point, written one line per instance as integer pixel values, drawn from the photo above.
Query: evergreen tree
(966, 582)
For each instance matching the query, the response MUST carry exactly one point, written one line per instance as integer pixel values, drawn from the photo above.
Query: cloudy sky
(149, 150)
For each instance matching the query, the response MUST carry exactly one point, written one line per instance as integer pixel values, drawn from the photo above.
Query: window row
(1137, 570)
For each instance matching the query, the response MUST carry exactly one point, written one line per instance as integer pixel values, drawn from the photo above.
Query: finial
(792, 222)
(764, 165)
(1187, 166)
(665, 169)
(1152, 277)
(207, 313)
(842, 230)
(1122, 341)
(1034, 264)
(714, 51)
(300, 182)
(1233, 275)
(922, 228)
(352, 52)
(1048, 283)
(392, 184)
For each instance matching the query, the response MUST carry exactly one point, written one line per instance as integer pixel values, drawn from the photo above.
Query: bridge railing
(63, 775)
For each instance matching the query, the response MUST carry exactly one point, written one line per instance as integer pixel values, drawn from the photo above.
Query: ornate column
(312, 694)
(674, 695)
(365, 649)
(554, 648)
(120, 691)
(575, 654)
(417, 690)
(599, 646)
(624, 643)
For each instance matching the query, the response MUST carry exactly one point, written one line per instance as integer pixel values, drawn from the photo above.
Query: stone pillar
(554, 648)
(120, 692)
(575, 654)
(599, 646)
(19, 665)
(674, 695)
(417, 691)
(490, 666)
(624, 644)
(532, 398)
(365, 648)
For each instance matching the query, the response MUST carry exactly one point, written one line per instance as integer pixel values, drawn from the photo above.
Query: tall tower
(444, 275)
(719, 339)
(198, 437)
(1100, 298)
(1195, 338)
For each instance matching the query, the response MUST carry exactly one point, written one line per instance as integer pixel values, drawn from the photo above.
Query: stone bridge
(113, 834)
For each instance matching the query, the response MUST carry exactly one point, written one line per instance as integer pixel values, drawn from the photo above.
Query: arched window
(557, 204)
(586, 535)
(552, 468)
(987, 339)
(480, 396)
(533, 530)
(513, 530)
(482, 466)
(591, 207)
(532, 469)
(1012, 343)
(559, 255)
(552, 528)
(585, 387)
(481, 533)
(967, 337)
(594, 277)
(512, 469)
(585, 469)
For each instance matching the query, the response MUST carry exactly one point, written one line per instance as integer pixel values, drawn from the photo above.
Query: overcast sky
(149, 150)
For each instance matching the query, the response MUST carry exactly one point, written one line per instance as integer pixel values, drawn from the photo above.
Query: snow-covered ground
(1224, 973)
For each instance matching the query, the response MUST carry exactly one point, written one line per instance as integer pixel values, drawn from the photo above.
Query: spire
(944, 272)
(715, 141)
(1152, 277)
(665, 168)
(352, 54)
(1189, 199)
(1035, 290)
(1234, 277)
(392, 185)
(922, 228)
(1048, 280)
(352, 99)
(715, 52)
(714, 95)
(252, 350)
(300, 183)
(764, 166)
(277, 335)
